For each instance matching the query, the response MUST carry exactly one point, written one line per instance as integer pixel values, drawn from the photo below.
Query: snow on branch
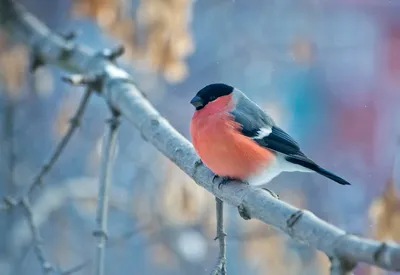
(117, 88)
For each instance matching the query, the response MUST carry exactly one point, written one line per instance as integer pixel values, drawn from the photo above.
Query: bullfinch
(236, 139)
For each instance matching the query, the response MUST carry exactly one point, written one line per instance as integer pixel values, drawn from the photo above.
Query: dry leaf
(384, 212)
(13, 64)
(182, 202)
(165, 27)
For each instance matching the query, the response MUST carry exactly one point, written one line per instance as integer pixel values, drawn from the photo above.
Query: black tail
(307, 163)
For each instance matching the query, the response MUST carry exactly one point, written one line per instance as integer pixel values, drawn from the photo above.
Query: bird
(237, 140)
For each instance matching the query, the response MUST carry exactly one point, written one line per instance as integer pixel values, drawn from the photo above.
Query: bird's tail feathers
(307, 163)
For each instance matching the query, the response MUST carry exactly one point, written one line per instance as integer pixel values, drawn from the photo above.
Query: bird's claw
(214, 178)
(198, 163)
(223, 180)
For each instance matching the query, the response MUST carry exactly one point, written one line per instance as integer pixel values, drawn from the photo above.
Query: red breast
(217, 139)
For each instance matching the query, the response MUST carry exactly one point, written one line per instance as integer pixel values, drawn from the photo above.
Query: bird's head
(210, 94)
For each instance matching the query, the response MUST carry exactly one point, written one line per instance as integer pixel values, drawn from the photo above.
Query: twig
(9, 140)
(108, 151)
(111, 242)
(123, 95)
(77, 268)
(220, 268)
(74, 124)
(47, 268)
(341, 267)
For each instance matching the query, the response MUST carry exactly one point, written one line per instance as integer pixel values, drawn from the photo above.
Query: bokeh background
(328, 71)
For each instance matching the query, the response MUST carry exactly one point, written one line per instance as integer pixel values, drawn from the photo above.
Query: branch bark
(123, 95)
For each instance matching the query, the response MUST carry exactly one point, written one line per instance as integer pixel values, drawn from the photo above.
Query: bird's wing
(257, 125)
(266, 134)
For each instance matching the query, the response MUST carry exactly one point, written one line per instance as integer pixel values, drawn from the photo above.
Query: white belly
(278, 166)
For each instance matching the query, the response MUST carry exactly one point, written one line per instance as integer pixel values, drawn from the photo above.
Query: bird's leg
(198, 163)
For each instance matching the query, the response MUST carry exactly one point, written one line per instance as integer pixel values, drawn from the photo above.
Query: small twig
(93, 81)
(77, 268)
(109, 144)
(220, 268)
(111, 242)
(341, 266)
(47, 268)
(113, 54)
(74, 124)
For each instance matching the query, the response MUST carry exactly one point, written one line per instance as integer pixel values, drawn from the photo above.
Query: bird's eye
(212, 98)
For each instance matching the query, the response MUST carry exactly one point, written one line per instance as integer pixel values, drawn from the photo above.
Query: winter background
(328, 71)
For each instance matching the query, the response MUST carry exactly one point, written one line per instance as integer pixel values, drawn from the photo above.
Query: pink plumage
(217, 139)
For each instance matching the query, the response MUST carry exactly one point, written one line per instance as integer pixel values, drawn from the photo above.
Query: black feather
(254, 119)
(307, 163)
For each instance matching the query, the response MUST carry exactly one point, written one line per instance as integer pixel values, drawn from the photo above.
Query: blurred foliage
(159, 33)
(14, 59)
(384, 212)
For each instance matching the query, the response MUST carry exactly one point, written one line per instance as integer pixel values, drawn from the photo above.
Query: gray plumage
(290, 158)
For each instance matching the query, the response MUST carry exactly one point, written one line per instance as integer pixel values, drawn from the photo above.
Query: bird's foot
(223, 180)
(198, 163)
(243, 213)
(272, 193)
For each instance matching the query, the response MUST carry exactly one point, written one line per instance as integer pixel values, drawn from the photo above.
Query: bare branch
(77, 268)
(74, 124)
(123, 95)
(47, 268)
(221, 237)
(108, 151)
(111, 242)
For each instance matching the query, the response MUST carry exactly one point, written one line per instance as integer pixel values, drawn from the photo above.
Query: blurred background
(328, 71)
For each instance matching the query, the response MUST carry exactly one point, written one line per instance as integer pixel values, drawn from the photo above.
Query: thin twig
(122, 94)
(77, 268)
(74, 124)
(220, 268)
(108, 151)
(47, 268)
(9, 142)
(111, 242)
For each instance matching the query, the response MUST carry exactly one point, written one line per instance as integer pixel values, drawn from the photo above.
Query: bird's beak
(197, 102)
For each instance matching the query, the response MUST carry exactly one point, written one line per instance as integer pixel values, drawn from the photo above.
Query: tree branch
(74, 124)
(47, 268)
(108, 151)
(220, 268)
(123, 95)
